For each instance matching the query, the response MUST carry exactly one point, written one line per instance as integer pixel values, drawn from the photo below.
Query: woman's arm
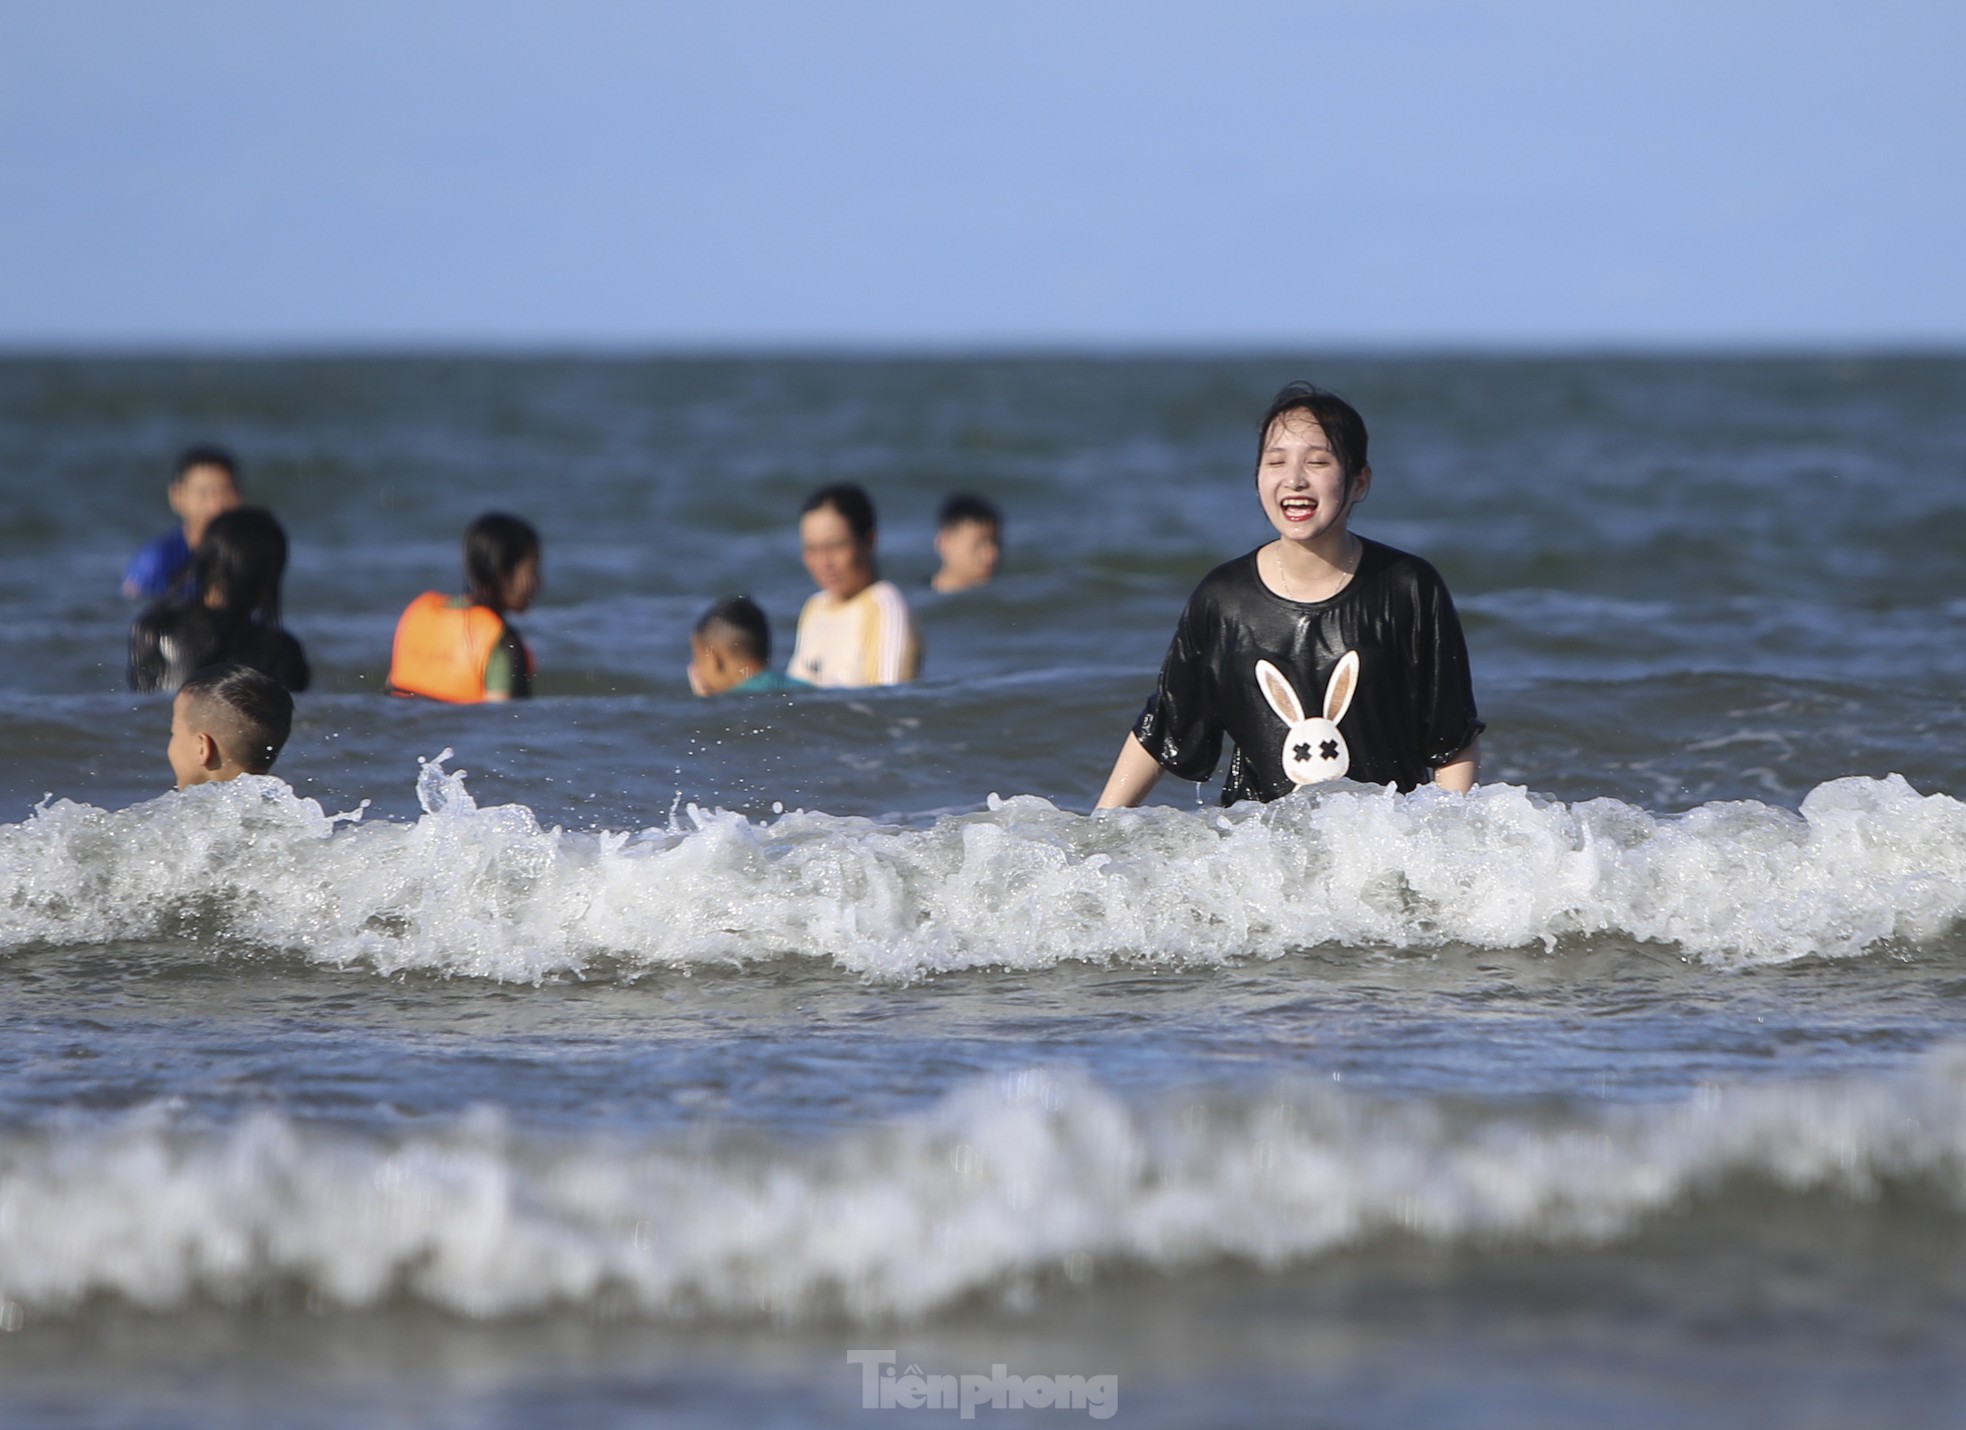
(1132, 780)
(506, 673)
(1461, 771)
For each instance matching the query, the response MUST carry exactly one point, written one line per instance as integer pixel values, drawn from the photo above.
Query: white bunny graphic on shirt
(1314, 750)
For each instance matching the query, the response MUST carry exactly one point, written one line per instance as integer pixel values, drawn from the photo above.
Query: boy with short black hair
(204, 484)
(969, 541)
(227, 721)
(730, 648)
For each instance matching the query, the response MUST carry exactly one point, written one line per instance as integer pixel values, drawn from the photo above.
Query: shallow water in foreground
(679, 1050)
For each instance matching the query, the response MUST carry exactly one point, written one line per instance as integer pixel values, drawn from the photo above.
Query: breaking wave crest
(1030, 1180)
(488, 892)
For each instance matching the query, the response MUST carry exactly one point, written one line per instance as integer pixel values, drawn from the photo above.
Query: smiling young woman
(1320, 614)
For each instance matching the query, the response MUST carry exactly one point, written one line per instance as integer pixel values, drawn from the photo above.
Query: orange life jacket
(441, 650)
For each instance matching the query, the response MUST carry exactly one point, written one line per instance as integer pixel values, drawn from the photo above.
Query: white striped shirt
(868, 639)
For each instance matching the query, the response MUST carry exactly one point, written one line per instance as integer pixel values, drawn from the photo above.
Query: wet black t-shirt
(172, 640)
(1413, 709)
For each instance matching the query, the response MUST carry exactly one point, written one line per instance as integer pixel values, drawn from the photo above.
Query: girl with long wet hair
(229, 613)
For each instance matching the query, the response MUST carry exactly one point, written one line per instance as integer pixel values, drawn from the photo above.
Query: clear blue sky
(735, 172)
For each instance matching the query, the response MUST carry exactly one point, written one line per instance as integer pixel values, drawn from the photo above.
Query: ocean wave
(1030, 1180)
(488, 892)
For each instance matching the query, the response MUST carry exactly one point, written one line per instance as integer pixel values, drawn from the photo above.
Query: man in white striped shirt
(855, 629)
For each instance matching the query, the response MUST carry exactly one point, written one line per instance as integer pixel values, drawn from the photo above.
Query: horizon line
(304, 348)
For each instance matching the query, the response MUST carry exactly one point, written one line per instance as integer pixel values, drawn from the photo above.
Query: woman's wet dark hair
(242, 558)
(494, 546)
(1343, 428)
(849, 501)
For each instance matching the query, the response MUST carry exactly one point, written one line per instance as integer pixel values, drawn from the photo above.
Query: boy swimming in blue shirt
(204, 486)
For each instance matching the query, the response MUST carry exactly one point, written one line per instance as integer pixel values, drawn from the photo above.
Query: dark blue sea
(625, 1058)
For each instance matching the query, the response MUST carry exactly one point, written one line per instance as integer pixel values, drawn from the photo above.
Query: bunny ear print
(1277, 690)
(1344, 681)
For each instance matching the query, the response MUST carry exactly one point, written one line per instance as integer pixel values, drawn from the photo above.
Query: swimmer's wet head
(968, 541)
(204, 485)
(227, 721)
(730, 645)
(502, 562)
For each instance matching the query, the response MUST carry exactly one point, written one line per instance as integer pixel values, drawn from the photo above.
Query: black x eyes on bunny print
(1314, 749)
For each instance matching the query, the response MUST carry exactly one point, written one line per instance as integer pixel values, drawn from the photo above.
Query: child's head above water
(969, 541)
(501, 562)
(204, 483)
(227, 721)
(731, 644)
(836, 538)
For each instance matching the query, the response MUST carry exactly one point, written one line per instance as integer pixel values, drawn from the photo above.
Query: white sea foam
(1005, 1186)
(488, 892)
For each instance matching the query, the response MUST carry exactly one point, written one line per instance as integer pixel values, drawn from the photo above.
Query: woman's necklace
(1345, 571)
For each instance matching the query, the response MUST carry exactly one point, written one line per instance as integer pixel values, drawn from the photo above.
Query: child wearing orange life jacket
(461, 649)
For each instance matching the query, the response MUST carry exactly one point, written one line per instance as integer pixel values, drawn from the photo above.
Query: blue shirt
(155, 569)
